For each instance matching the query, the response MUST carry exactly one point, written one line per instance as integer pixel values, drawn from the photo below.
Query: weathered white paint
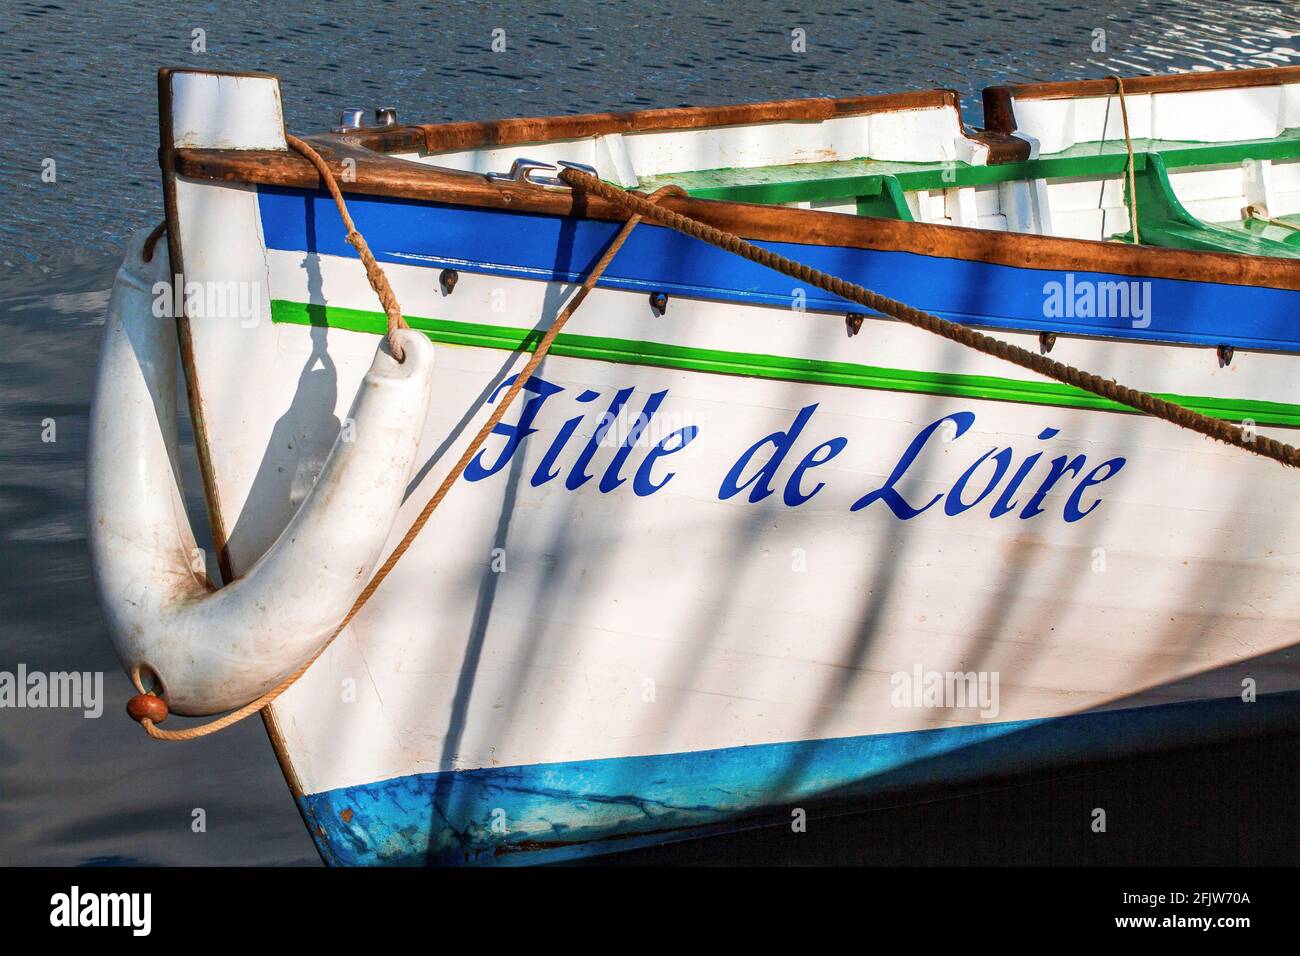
(931, 134)
(459, 667)
(1280, 186)
(612, 160)
(1219, 193)
(213, 650)
(1085, 207)
(211, 111)
(1207, 116)
(1080, 208)
(1095, 209)
(1092, 208)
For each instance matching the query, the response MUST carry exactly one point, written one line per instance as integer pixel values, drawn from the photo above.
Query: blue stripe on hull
(552, 812)
(526, 245)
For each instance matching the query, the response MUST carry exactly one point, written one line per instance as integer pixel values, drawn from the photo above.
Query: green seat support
(1164, 221)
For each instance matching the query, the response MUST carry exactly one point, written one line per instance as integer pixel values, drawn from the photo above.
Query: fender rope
(149, 709)
(378, 281)
(1134, 398)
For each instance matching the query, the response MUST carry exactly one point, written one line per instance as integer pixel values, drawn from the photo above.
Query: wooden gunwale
(440, 137)
(999, 114)
(381, 175)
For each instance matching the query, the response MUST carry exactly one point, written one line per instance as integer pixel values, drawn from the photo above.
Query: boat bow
(210, 649)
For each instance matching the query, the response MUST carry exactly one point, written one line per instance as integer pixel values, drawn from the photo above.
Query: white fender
(211, 650)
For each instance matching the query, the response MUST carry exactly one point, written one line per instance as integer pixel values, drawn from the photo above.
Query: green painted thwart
(780, 367)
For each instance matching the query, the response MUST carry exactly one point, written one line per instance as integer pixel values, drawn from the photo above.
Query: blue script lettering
(611, 478)
(1064, 480)
(549, 468)
(543, 474)
(888, 494)
(643, 484)
(954, 505)
(955, 502)
(578, 474)
(1072, 512)
(781, 443)
(478, 469)
(1004, 504)
(794, 494)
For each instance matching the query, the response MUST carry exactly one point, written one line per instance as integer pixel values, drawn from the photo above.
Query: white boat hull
(587, 630)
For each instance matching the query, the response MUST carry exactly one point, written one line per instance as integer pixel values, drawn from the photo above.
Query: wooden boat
(743, 552)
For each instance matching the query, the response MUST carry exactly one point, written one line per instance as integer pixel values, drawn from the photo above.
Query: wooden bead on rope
(143, 707)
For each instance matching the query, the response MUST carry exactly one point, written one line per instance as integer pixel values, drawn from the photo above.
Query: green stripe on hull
(779, 367)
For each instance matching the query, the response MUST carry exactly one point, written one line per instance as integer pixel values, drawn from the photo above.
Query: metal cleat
(524, 171)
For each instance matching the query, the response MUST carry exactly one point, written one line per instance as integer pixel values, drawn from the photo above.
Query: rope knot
(397, 351)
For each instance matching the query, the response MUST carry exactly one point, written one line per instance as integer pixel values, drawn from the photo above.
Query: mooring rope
(148, 708)
(1133, 398)
(1132, 197)
(378, 281)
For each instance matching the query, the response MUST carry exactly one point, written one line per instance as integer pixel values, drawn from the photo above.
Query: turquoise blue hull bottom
(557, 812)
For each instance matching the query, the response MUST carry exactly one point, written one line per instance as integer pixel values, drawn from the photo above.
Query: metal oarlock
(353, 119)
(350, 119)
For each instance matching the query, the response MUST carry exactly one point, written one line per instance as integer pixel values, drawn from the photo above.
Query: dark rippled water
(79, 89)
